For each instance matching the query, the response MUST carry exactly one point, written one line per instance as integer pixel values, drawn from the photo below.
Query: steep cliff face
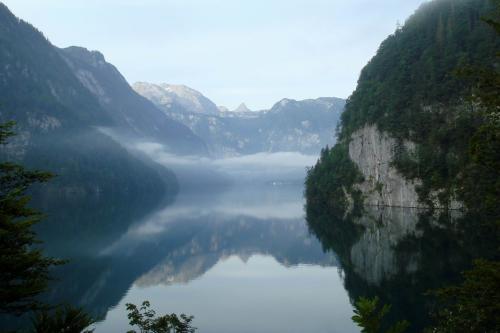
(373, 152)
(408, 128)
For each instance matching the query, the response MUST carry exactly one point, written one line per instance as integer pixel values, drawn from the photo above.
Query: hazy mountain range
(304, 126)
(76, 114)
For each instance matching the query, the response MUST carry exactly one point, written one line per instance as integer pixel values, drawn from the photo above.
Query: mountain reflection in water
(399, 254)
(225, 256)
(249, 258)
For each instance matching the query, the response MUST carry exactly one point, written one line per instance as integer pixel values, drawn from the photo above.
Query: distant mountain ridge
(169, 95)
(304, 126)
(60, 98)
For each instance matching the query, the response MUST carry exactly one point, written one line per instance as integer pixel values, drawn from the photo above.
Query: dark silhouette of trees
(24, 270)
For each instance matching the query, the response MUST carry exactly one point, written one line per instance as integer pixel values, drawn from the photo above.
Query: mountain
(420, 128)
(130, 113)
(303, 126)
(171, 95)
(242, 108)
(57, 119)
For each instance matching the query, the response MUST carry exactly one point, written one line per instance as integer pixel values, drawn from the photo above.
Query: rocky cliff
(373, 152)
(408, 128)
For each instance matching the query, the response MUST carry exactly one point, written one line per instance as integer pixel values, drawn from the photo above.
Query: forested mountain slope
(130, 113)
(57, 118)
(411, 129)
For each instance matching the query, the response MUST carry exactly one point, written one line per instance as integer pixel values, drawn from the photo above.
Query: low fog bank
(263, 168)
(195, 171)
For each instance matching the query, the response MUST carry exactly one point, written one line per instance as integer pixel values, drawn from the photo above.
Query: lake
(238, 259)
(251, 256)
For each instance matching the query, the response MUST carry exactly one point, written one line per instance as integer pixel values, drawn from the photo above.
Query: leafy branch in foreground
(145, 318)
(369, 315)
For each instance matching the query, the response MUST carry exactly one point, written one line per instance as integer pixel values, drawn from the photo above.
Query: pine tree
(24, 268)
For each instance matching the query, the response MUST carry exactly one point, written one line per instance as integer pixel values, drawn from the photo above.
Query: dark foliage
(429, 257)
(24, 273)
(64, 319)
(147, 321)
(369, 315)
(332, 178)
(473, 305)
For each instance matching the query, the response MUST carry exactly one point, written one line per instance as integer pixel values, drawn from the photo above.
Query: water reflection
(253, 295)
(225, 256)
(243, 258)
(399, 254)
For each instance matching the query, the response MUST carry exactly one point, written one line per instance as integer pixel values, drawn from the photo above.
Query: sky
(232, 51)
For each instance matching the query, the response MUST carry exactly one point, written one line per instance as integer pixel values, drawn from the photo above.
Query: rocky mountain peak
(242, 108)
(165, 95)
(94, 58)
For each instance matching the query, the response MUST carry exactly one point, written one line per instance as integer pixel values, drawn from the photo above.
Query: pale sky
(233, 51)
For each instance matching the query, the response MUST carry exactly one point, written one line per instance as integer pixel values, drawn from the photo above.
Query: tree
(472, 306)
(24, 269)
(369, 315)
(65, 319)
(145, 318)
(483, 173)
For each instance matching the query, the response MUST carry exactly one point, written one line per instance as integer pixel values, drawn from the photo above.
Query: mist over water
(198, 171)
(263, 167)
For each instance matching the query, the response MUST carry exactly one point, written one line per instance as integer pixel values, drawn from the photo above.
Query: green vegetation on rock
(434, 82)
(331, 179)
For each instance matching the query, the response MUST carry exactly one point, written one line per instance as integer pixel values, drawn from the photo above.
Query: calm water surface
(253, 258)
(238, 259)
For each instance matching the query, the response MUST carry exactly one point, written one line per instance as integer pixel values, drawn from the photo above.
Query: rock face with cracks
(373, 151)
